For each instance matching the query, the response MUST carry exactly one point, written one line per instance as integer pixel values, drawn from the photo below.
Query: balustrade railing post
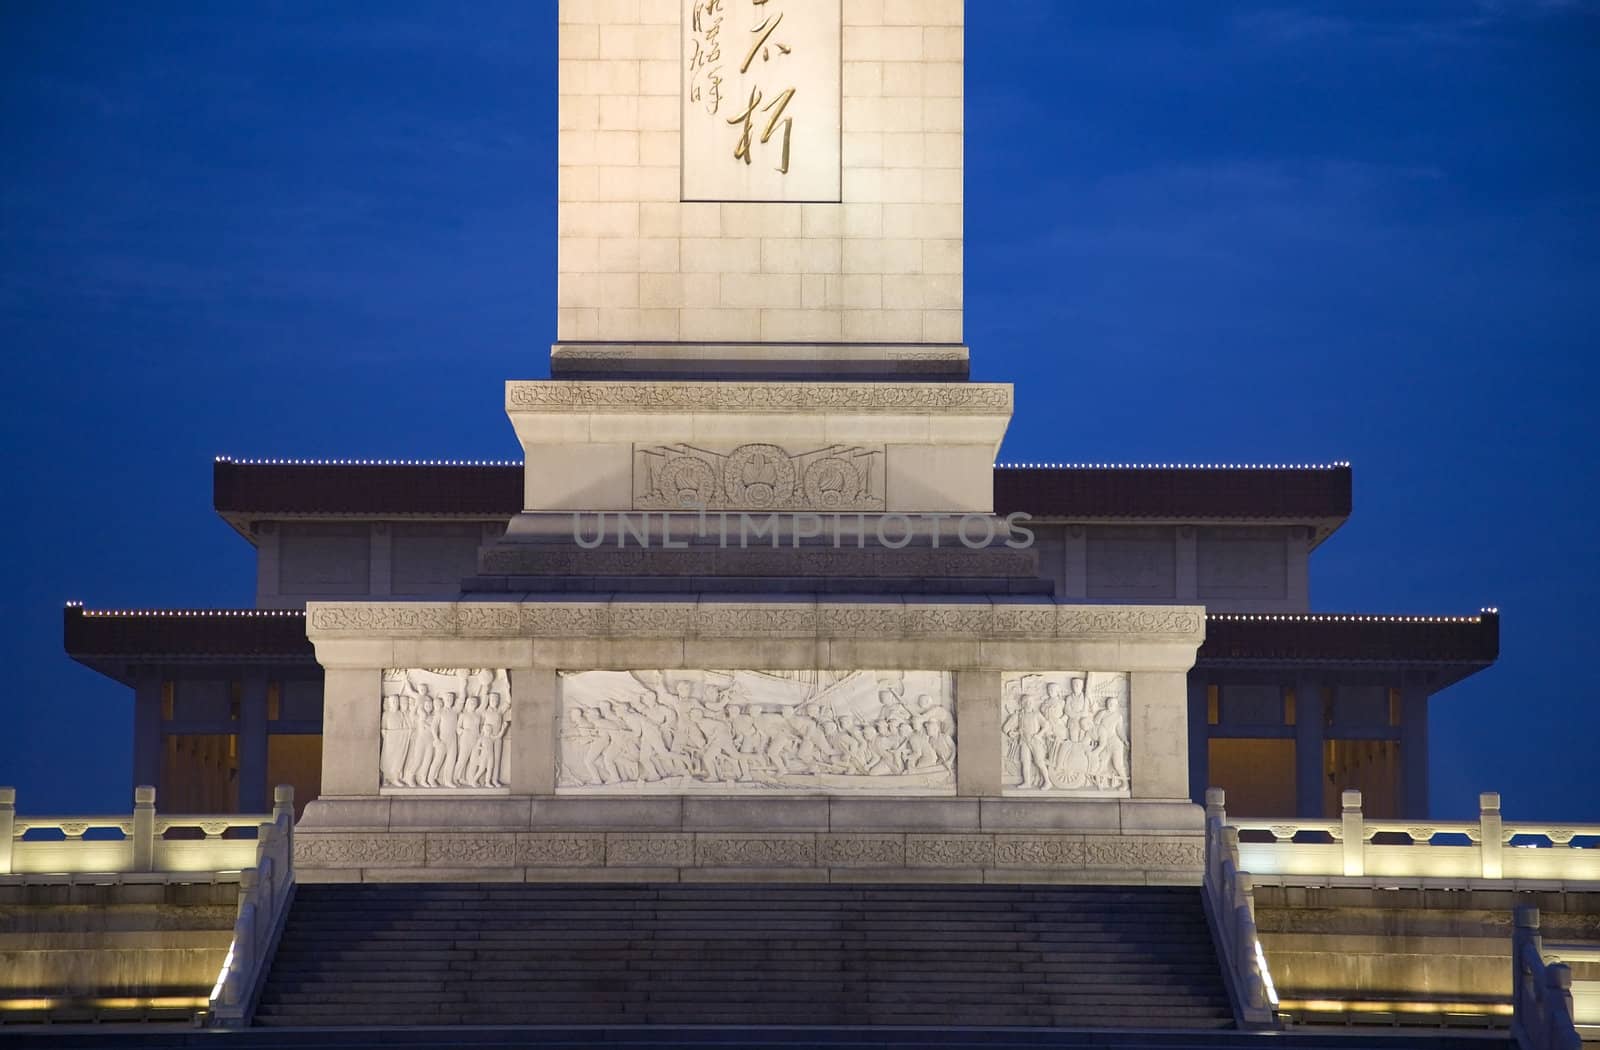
(144, 828)
(1355, 833)
(8, 827)
(1491, 832)
(283, 816)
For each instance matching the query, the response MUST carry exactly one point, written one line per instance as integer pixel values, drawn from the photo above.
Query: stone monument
(757, 618)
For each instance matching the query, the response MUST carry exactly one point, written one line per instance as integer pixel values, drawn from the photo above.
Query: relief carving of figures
(1065, 733)
(444, 728)
(758, 477)
(722, 732)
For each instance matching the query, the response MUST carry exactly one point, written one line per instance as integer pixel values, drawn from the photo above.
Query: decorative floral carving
(867, 621)
(561, 851)
(472, 851)
(406, 618)
(950, 851)
(1038, 851)
(357, 851)
(782, 620)
(666, 851)
(1133, 852)
(861, 851)
(1065, 733)
(444, 728)
(654, 619)
(737, 731)
(1079, 619)
(577, 396)
(488, 618)
(958, 620)
(1035, 620)
(717, 851)
(566, 620)
(666, 618)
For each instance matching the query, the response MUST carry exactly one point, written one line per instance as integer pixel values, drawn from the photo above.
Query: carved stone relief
(443, 730)
(1065, 733)
(744, 732)
(758, 477)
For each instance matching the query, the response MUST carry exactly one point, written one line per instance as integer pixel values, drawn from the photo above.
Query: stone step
(942, 955)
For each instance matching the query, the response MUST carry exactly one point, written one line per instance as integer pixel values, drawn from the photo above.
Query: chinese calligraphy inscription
(761, 100)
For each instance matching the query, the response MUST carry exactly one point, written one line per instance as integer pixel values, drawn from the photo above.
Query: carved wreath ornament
(759, 477)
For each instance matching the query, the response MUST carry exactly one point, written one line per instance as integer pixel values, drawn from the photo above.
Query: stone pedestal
(961, 816)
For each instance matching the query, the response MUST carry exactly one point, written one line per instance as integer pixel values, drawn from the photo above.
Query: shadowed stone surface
(744, 955)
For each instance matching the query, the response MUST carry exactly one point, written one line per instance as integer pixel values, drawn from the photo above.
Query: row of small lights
(1353, 618)
(190, 613)
(370, 462)
(1254, 617)
(1340, 465)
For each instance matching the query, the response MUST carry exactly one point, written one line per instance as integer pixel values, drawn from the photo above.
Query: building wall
(1227, 569)
(297, 561)
(1262, 568)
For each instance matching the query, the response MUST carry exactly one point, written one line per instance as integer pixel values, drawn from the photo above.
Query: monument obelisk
(757, 618)
(760, 189)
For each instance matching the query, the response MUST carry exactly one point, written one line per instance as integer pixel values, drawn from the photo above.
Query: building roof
(113, 641)
(1317, 496)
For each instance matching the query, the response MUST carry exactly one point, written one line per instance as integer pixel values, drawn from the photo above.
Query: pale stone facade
(639, 263)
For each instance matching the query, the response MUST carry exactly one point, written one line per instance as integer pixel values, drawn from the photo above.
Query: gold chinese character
(776, 107)
(763, 34)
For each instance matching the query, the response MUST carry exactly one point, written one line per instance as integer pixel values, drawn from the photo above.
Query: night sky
(1195, 233)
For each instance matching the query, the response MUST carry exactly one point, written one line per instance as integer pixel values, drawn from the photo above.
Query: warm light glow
(1380, 1006)
(158, 1002)
(227, 964)
(1266, 974)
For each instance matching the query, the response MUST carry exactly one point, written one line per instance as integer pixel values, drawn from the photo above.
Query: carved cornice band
(603, 618)
(582, 396)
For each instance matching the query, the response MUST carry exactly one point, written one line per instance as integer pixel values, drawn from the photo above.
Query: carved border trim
(581, 396)
(667, 619)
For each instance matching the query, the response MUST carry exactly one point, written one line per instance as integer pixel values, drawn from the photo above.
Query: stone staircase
(486, 954)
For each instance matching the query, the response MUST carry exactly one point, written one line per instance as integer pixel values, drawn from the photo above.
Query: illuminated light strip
(191, 613)
(1344, 618)
(370, 462)
(1380, 1006)
(157, 1002)
(1266, 974)
(1337, 465)
(222, 977)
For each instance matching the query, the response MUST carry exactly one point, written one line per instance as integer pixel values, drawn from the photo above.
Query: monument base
(1129, 842)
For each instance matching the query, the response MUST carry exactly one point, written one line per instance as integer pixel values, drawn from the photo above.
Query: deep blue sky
(1195, 232)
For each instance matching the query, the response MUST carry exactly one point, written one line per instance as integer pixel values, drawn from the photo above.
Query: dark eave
(115, 641)
(1452, 646)
(1317, 496)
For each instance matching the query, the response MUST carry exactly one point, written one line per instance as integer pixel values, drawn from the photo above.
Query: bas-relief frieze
(1065, 733)
(443, 730)
(758, 477)
(581, 396)
(760, 732)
